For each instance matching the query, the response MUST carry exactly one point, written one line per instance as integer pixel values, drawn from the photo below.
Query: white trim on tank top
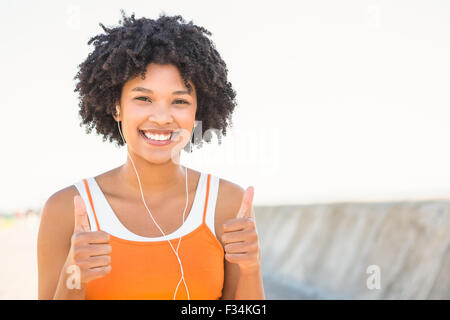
(109, 222)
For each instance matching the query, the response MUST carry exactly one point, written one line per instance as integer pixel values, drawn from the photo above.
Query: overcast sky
(338, 100)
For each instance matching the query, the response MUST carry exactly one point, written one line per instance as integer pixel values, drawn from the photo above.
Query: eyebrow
(142, 89)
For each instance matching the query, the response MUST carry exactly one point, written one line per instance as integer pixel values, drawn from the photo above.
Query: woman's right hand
(89, 255)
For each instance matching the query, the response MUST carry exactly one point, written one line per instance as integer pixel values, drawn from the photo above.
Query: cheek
(184, 118)
(130, 130)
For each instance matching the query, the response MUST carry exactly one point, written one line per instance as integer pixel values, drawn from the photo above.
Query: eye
(178, 101)
(142, 99)
(182, 101)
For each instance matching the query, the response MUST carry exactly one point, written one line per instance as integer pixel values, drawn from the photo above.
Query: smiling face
(153, 107)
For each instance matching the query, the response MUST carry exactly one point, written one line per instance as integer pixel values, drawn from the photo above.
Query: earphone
(145, 204)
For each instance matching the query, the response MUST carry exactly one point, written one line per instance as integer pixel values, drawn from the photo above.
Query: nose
(160, 114)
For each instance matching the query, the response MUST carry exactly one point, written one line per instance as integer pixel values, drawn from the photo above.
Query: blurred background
(341, 127)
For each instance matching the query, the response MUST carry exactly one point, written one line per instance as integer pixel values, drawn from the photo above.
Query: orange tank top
(150, 270)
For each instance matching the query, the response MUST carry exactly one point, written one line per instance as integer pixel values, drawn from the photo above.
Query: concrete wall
(323, 251)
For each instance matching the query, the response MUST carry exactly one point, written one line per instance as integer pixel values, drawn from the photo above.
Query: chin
(157, 157)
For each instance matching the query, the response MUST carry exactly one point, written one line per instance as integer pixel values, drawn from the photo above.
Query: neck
(156, 178)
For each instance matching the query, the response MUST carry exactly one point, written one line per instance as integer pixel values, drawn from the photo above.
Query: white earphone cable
(145, 204)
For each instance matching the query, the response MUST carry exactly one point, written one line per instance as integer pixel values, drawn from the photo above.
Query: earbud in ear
(117, 111)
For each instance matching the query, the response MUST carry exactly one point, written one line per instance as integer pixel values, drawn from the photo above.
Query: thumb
(81, 218)
(246, 209)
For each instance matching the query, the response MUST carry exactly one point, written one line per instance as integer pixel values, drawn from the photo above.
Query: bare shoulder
(57, 217)
(229, 200)
(60, 202)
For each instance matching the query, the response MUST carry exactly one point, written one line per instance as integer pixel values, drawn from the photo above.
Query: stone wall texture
(323, 251)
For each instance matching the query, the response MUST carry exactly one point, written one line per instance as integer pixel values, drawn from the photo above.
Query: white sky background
(338, 100)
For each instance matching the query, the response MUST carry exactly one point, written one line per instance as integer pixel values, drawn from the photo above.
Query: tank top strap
(208, 183)
(91, 203)
(206, 199)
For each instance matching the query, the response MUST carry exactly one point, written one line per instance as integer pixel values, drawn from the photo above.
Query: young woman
(151, 228)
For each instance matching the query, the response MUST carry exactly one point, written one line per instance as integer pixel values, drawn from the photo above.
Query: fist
(89, 256)
(240, 238)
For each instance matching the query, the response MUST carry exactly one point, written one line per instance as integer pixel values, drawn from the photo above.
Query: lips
(158, 131)
(156, 137)
(155, 142)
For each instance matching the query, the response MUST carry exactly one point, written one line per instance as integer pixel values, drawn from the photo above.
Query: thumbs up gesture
(89, 255)
(240, 237)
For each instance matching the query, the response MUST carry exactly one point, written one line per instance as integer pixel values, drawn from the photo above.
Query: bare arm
(231, 279)
(250, 285)
(69, 254)
(239, 283)
(54, 240)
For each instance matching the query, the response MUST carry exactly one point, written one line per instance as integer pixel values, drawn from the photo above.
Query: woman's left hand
(240, 237)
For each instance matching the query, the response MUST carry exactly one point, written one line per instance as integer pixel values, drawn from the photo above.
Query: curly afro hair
(124, 52)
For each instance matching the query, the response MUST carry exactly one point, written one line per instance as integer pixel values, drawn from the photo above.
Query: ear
(116, 116)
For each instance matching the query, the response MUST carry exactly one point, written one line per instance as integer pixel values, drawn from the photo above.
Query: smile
(157, 139)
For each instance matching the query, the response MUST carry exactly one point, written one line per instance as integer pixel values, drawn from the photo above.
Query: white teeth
(159, 137)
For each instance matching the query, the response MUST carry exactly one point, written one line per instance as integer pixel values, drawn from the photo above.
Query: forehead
(163, 79)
